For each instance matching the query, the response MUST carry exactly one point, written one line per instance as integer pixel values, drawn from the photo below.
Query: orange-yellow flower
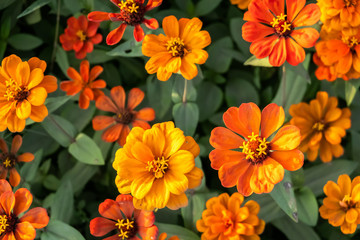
(242, 4)
(276, 34)
(225, 219)
(179, 50)
(164, 235)
(121, 216)
(23, 90)
(322, 125)
(8, 160)
(157, 166)
(85, 83)
(342, 203)
(14, 224)
(262, 160)
(324, 72)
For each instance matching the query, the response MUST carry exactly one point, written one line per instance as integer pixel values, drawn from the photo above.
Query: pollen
(347, 202)
(3, 223)
(318, 126)
(81, 35)
(158, 166)
(125, 227)
(351, 42)
(12, 89)
(7, 163)
(281, 25)
(255, 148)
(176, 47)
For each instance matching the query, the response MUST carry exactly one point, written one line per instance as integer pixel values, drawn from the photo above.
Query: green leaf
(283, 194)
(63, 205)
(24, 41)
(295, 231)
(35, 5)
(186, 116)
(209, 99)
(178, 89)
(79, 175)
(130, 48)
(73, 6)
(60, 129)
(57, 230)
(316, 177)
(5, 28)
(62, 60)
(51, 182)
(53, 103)
(3, 45)
(99, 56)
(219, 59)
(355, 140)
(236, 33)
(29, 170)
(5, 3)
(253, 61)
(85, 150)
(174, 230)
(204, 7)
(159, 95)
(80, 118)
(238, 91)
(307, 206)
(269, 209)
(351, 88)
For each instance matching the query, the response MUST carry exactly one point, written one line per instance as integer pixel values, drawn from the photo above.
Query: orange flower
(274, 34)
(12, 206)
(157, 166)
(179, 50)
(80, 36)
(118, 125)
(242, 4)
(23, 90)
(8, 160)
(164, 235)
(225, 219)
(85, 83)
(322, 125)
(324, 72)
(132, 13)
(342, 203)
(261, 163)
(120, 215)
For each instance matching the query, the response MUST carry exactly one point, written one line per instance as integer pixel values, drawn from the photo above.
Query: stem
(53, 55)
(185, 91)
(283, 79)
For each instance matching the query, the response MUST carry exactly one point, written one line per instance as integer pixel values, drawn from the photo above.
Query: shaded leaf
(209, 99)
(159, 95)
(79, 175)
(295, 231)
(85, 150)
(173, 230)
(351, 88)
(204, 7)
(56, 230)
(307, 206)
(219, 61)
(186, 116)
(24, 41)
(35, 5)
(60, 129)
(238, 91)
(63, 205)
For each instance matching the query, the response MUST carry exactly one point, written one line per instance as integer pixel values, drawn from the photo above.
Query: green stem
(283, 80)
(185, 91)
(53, 55)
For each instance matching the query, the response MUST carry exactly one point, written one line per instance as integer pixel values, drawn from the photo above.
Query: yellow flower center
(129, 6)
(3, 223)
(349, 3)
(281, 25)
(14, 91)
(318, 126)
(81, 35)
(126, 228)
(158, 166)
(255, 148)
(176, 47)
(351, 42)
(7, 163)
(347, 202)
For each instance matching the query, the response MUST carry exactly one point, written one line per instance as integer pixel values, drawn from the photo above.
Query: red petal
(100, 226)
(118, 96)
(138, 33)
(115, 35)
(113, 133)
(104, 103)
(16, 144)
(263, 47)
(253, 31)
(151, 23)
(278, 55)
(101, 122)
(135, 97)
(38, 217)
(98, 16)
(295, 53)
(223, 138)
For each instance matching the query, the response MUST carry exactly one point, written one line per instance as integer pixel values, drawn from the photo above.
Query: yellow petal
(37, 96)
(23, 109)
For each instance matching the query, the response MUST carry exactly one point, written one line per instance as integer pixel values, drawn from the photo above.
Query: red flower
(85, 83)
(80, 36)
(132, 13)
(121, 215)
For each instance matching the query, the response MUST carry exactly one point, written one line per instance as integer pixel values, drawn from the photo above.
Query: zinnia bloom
(225, 219)
(322, 125)
(80, 36)
(12, 206)
(120, 215)
(342, 203)
(324, 72)
(273, 32)
(179, 50)
(261, 163)
(164, 235)
(85, 83)
(242, 4)
(132, 12)
(23, 90)
(8, 160)
(157, 166)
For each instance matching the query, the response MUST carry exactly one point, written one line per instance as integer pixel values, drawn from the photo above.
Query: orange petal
(23, 109)
(112, 133)
(277, 7)
(95, 72)
(16, 144)
(295, 53)
(152, 4)
(135, 97)
(293, 8)
(177, 201)
(26, 157)
(118, 96)
(101, 122)
(306, 37)
(253, 31)
(291, 160)
(24, 230)
(278, 55)
(191, 146)
(287, 138)
(123, 136)
(74, 75)
(171, 26)
(37, 96)
(84, 100)
(188, 69)
(146, 114)
(49, 83)
(272, 117)
(38, 113)
(199, 40)
(230, 172)
(4, 186)
(115, 35)
(7, 201)
(23, 199)
(259, 182)
(110, 209)
(309, 15)
(3, 146)
(14, 177)
(263, 47)
(191, 28)
(243, 184)
(175, 182)
(142, 185)
(15, 124)
(98, 16)
(138, 33)
(219, 157)
(100, 226)
(35, 62)
(36, 77)
(344, 64)
(152, 45)
(151, 23)
(274, 172)
(198, 56)
(195, 176)
(104, 103)
(223, 138)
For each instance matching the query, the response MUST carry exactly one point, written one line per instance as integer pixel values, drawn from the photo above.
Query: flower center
(81, 35)
(158, 166)
(282, 26)
(349, 3)
(8, 223)
(3, 223)
(227, 219)
(347, 202)
(176, 47)
(319, 126)
(126, 228)
(14, 91)
(8, 160)
(255, 148)
(132, 12)
(351, 42)
(124, 117)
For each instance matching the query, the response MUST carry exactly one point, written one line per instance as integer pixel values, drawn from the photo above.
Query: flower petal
(23, 200)
(23, 109)
(37, 96)
(115, 35)
(100, 226)
(306, 37)
(135, 97)
(287, 138)
(98, 16)
(291, 160)
(272, 117)
(309, 15)
(38, 113)
(24, 230)
(118, 96)
(223, 138)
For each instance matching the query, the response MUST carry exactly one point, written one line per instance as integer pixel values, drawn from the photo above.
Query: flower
(157, 166)
(322, 125)
(225, 219)
(275, 34)
(23, 90)
(117, 127)
(85, 83)
(80, 36)
(179, 50)
(120, 215)
(342, 203)
(8, 160)
(324, 72)
(242, 4)
(261, 163)
(132, 13)
(164, 235)
(12, 206)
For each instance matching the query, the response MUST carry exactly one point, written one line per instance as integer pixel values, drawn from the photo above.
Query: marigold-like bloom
(118, 125)
(242, 4)
(80, 36)
(324, 72)
(85, 83)
(12, 206)
(322, 125)
(179, 50)
(23, 90)
(132, 13)
(225, 219)
(8, 160)
(273, 32)
(261, 162)
(157, 166)
(342, 203)
(163, 236)
(120, 215)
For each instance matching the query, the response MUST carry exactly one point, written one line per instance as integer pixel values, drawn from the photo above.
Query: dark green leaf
(295, 231)
(29, 170)
(53, 103)
(57, 230)
(209, 99)
(79, 175)
(238, 91)
(186, 116)
(236, 33)
(5, 3)
(307, 206)
(99, 56)
(173, 230)
(179, 87)
(63, 205)
(204, 7)
(35, 5)
(85, 150)
(51, 182)
(62, 60)
(60, 129)
(351, 88)
(219, 60)
(130, 48)
(24, 41)
(269, 209)
(5, 28)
